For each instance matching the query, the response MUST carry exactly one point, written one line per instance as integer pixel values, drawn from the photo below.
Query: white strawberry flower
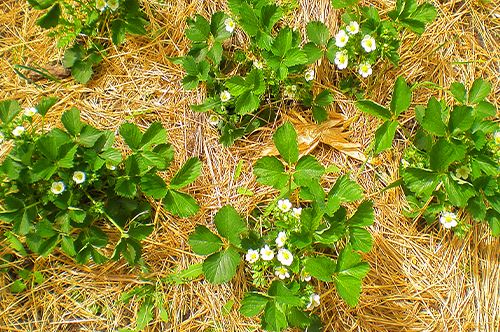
(368, 43)
(213, 120)
(100, 5)
(282, 272)
(30, 111)
(309, 75)
(225, 96)
(18, 131)
(79, 177)
(281, 239)
(113, 4)
(57, 187)
(341, 39)
(296, 212)
(463, 172)
(284, 205)
(252, 256)
(285, 257)
(352, 28)
(314, 301)
(110, 166)
(448, 219)
(2, 137)
(305, 276)
(266, 253)
(341, 60)
(365, 69)
(230, 25)
(258, 64)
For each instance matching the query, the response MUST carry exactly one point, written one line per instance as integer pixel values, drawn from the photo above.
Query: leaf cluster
(83, 24)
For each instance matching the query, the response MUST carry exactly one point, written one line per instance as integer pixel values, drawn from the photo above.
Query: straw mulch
(422, 279)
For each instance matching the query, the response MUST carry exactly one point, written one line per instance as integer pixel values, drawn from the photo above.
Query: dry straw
(422, 279)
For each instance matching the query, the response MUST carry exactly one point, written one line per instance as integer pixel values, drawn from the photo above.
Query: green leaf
(485, 109)
(154, 135)
(15, 244)
(360, 239)
(344, 190)
(218, 27)
(180, 204)
(432, 120)
(125, 187)
(271, 172)
(285, 139)
(374, 109)
(51, 18)
(221, 267)
(308, 169)
(71, 121)
(187, 174)
(247, 103)
(313, 52)
(461, 119)
(420, 180)
(17, 286)
(458, 194)
(118, 31)
(493, 219)
(284, 295)
(132, 135)
(324, 98)
(253, 304)
(283, 42)
(72, 55)
(318, 32)
(274, 318)
(295, 57)
(364, 215)
(321, 268)
(459, 92)
(385, 135)
(339, 4)
(82, 71)
(350, 271)
(9, 109)
(145, 314)
(480, 89)
(45, 104)
(204, 242)
(153, 185)
(443, 153)
(229, 224)
(199, 29)
(401, 97)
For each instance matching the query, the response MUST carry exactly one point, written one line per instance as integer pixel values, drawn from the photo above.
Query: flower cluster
(17, 127)
(354, 49)
(103, 4)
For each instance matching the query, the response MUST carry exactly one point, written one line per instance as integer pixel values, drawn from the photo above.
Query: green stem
(122, 231)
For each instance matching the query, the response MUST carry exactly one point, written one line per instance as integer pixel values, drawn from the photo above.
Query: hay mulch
(422, 279)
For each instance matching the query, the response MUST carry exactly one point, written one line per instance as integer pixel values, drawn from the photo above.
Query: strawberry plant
(245, 84)
(71, 189)
(364, 39)
(451, 167)
(83, 24)
(288, 250)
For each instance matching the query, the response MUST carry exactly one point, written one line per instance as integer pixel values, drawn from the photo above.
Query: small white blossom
(463, 172)
(252, 256)
(258, 64)
(341, 39)
(110, 166)
(285, 257)
(266, 253)
(113, 4)
(290, 91)
(282, 272)
(352, 28)
(100, 5)
(497, 137)
(2, 137)
(365, 69)
(225, 96)
(18, 131)
(284, 205)
(57, 187)
(305, 276)
(341, 60)
(281, 239)
(448, 219)
(296, 212)
(230, 25)
(29, 112)
(309, 75)
(405, 163)
(213, 120)
(79, 177)
(368, 43)
(314, 301)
